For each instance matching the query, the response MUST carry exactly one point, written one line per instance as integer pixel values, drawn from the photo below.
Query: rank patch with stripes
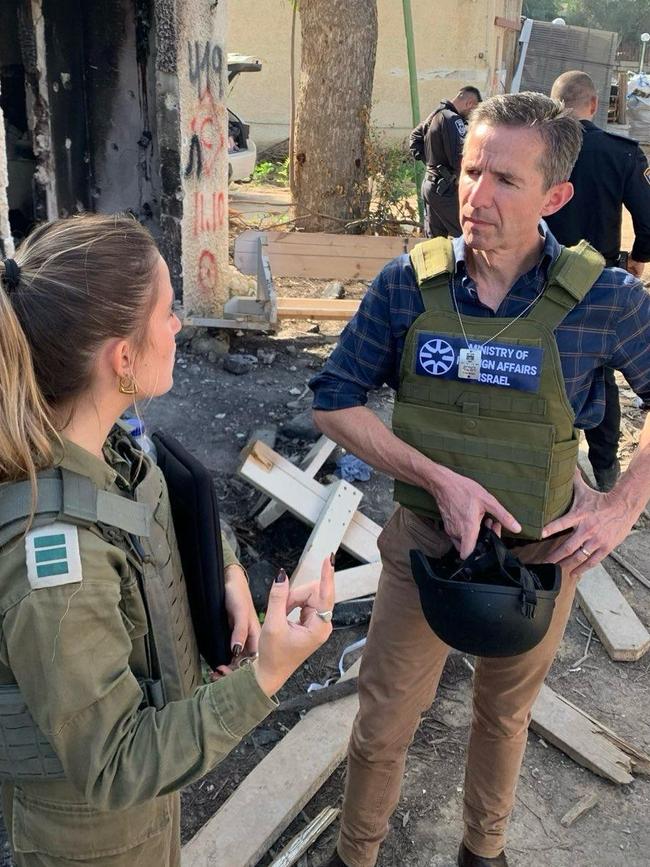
(52, 554)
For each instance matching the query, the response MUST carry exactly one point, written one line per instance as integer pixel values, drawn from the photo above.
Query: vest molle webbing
(512, 431)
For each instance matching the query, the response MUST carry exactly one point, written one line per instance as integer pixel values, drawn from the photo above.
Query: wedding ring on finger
(585, 552)
(326, 616)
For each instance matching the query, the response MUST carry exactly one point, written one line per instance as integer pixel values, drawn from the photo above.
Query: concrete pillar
(6, 241)
(202, 79)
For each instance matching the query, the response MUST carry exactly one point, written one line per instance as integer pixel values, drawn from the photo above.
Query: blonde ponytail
(73, 284)
(26, 428)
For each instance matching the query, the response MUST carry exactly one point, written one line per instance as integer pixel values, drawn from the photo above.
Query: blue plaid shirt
(610, 327)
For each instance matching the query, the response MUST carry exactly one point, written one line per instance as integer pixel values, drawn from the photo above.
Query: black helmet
(489, 604)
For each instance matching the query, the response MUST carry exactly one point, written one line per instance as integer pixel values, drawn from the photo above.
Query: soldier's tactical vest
(512, 431)
(142, 527)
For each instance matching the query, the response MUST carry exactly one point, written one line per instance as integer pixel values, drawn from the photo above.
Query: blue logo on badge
(437, 357)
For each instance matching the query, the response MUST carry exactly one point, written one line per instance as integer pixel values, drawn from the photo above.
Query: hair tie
(12, 274)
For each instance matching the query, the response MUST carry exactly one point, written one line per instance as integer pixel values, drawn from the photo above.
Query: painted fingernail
(282, 576)
(237, 649)
(332, 558)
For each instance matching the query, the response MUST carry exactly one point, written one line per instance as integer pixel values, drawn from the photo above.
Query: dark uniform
(438, 142)
(611, 171)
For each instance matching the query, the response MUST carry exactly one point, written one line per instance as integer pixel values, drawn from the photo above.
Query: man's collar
(550, 251)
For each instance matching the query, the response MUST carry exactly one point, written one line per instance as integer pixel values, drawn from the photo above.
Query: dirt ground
(213, 412)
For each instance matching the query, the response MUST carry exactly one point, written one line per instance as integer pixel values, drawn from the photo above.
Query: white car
(242, 152)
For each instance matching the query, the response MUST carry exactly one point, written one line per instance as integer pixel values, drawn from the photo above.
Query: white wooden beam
(327, 535)
(310, 465)
(304, 497)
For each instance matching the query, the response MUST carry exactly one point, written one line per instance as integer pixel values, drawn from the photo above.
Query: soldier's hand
(284, 645)
(463, 505)
(242, 619)
(635, 267)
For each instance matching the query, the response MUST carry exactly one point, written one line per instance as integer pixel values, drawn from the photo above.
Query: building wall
(456, 43)
(202, 76)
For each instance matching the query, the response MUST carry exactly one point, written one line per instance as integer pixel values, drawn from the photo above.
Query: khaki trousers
(400, 670)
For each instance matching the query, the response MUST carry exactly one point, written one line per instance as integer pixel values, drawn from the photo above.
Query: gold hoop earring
(128, 384)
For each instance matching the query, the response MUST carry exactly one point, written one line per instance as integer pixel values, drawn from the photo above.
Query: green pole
(418, 168)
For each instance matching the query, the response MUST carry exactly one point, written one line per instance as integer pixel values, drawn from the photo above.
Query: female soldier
(86, 322)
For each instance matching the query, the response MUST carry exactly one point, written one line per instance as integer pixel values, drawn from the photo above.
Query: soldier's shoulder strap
(433, 264)
(62, 495)
(570, 277)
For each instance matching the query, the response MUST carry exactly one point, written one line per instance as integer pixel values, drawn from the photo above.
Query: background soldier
(611, 171)
(438, 142)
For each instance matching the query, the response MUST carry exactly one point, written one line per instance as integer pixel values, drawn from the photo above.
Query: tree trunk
(329, 177)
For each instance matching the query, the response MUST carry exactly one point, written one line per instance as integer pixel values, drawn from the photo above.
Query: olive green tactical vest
(143, 529)
(521, 445)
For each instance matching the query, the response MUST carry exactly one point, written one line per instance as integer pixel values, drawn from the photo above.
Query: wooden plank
(623, 635)
(328, 532)
(304, 497)
(320, 254)
(584, 739)
(357, 581)
(277, 789)
(317, 308)
(310, 465)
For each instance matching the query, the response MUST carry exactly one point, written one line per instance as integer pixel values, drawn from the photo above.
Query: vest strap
(570, 277)
(433, 263)
(63, 494)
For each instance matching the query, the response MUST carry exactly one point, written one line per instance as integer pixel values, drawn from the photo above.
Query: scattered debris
(266, 356)
(301, 427)
(634, 572)
(301, 843)
(353, 469)
(335, 289)
(308, 700)
(239, 364)
(586, 803)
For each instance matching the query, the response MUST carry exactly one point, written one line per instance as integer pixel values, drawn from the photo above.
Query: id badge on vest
(469, 364)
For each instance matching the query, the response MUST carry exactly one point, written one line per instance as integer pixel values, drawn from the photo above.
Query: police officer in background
(611, 171)
(438, 142)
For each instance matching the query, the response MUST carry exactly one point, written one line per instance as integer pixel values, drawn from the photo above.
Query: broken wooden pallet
(304, 497)
(310, 465)
(587, 741)
(621, 632)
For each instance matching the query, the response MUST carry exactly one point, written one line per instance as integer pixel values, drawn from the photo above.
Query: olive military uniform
(75, 640)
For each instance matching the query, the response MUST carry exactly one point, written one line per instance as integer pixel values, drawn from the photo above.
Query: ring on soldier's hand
(584, 551)
(325, 615)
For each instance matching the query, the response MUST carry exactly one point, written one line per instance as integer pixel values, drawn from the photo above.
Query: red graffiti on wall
(207, 272)
(206, 137)
(209, 212)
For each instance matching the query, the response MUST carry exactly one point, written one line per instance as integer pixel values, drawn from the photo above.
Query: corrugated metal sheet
(554, 49)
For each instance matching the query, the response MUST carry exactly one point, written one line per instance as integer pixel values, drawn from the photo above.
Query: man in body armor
(611, 172)
(495, 344)
(438, 142)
